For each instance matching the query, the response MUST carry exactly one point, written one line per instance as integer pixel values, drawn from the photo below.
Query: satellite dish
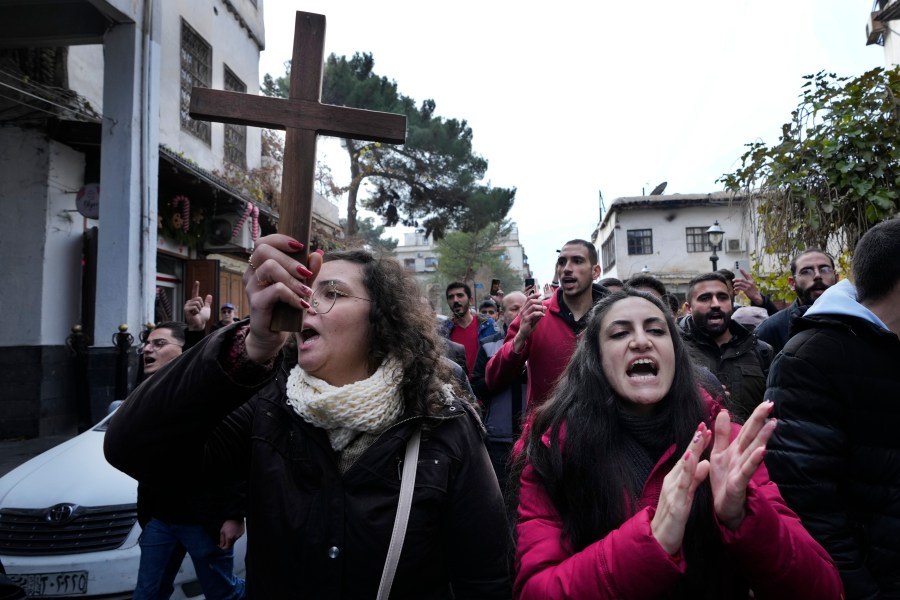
(658, 190)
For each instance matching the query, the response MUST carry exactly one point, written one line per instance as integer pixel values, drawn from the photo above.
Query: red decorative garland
(185, 203)
(240, 222)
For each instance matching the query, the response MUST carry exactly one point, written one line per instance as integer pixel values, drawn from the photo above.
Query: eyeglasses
(158, 344)
(326, 295)
(811, 271)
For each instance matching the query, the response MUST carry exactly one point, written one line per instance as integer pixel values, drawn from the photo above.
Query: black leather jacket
(741, 365)
(313, 532)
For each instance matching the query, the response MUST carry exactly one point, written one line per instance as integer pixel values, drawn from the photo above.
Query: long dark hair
(587, 477)
(403, 328)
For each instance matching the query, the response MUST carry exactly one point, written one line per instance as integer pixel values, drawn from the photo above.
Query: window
(608, 252)
(431, 262)
(409, 263)
(235, 135)
(196, 70)
(640, 241)
(169, 277)
(696, 239)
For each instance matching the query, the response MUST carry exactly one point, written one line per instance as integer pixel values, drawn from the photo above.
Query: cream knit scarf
(370, 405)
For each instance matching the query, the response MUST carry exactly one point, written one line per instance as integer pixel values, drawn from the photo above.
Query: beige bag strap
(407, 484)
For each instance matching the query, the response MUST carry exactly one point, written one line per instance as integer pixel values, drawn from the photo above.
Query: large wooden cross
(304, 117)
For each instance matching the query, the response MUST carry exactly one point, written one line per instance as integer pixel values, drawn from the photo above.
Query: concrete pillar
(126, 270)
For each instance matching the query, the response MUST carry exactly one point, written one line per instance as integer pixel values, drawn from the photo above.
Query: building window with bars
(196, 70)
(235, 135)
(696, 239)
(640, 241)
(608, 252)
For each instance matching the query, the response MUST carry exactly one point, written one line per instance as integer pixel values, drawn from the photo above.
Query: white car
(68, 526)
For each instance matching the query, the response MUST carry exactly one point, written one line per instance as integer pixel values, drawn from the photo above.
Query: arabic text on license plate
(52, 584)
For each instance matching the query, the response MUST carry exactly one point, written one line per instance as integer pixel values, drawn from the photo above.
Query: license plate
(71, 583)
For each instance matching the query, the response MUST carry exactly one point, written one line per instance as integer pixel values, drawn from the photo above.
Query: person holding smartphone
(542, 338)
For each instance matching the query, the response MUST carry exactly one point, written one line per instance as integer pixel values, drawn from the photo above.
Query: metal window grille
(640, 241)
(235, 135)
(196, 70)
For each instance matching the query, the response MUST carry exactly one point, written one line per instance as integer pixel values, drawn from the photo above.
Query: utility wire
(36, 97)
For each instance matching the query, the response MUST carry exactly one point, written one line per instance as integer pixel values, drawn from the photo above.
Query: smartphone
(495, 286)
(529, 283)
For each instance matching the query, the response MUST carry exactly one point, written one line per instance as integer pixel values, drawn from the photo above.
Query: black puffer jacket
(311, 531)
(835, 454)
(741, 364)
(776, 330)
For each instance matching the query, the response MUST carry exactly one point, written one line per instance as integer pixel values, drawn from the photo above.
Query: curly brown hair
(403, 328)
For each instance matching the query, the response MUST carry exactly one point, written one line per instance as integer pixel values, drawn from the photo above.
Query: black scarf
(644, 440)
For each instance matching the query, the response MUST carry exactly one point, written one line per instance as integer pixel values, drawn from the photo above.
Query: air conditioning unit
(219, 236)
(735, 246)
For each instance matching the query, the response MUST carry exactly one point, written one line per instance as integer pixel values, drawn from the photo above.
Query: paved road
(14, 452)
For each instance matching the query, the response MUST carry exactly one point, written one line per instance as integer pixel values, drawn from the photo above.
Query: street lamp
(714, 236)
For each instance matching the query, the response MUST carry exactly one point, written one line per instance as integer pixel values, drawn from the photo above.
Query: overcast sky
(588, 97)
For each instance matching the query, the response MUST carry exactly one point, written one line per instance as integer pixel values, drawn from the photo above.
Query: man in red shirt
(466, 327)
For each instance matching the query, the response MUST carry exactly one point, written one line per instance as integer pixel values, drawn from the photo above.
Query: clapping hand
(677, 494)
(730, 467)
(733, 463)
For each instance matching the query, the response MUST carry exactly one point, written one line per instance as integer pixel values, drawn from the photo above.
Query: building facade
(883, 28)
(665, 236)
(418, 254)
(119, 200)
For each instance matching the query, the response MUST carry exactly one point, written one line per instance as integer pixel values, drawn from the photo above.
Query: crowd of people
(598, 440)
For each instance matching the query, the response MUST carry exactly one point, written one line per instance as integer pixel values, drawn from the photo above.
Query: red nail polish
(320, 251)
(295, 245)
(304, 271)
(687, 455)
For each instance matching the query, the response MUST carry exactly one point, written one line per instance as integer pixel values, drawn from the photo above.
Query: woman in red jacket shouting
(634, 484)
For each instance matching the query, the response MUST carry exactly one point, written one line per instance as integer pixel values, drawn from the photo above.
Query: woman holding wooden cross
(363, 435)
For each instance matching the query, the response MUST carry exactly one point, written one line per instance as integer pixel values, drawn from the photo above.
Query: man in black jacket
(812, 272)
(836, 387)
(734, 355)
(186, 516)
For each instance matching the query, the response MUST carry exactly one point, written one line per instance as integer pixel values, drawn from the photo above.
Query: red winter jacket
(547, 353)
(771, 549)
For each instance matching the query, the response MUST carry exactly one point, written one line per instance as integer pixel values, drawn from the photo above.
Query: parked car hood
(73, 472)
